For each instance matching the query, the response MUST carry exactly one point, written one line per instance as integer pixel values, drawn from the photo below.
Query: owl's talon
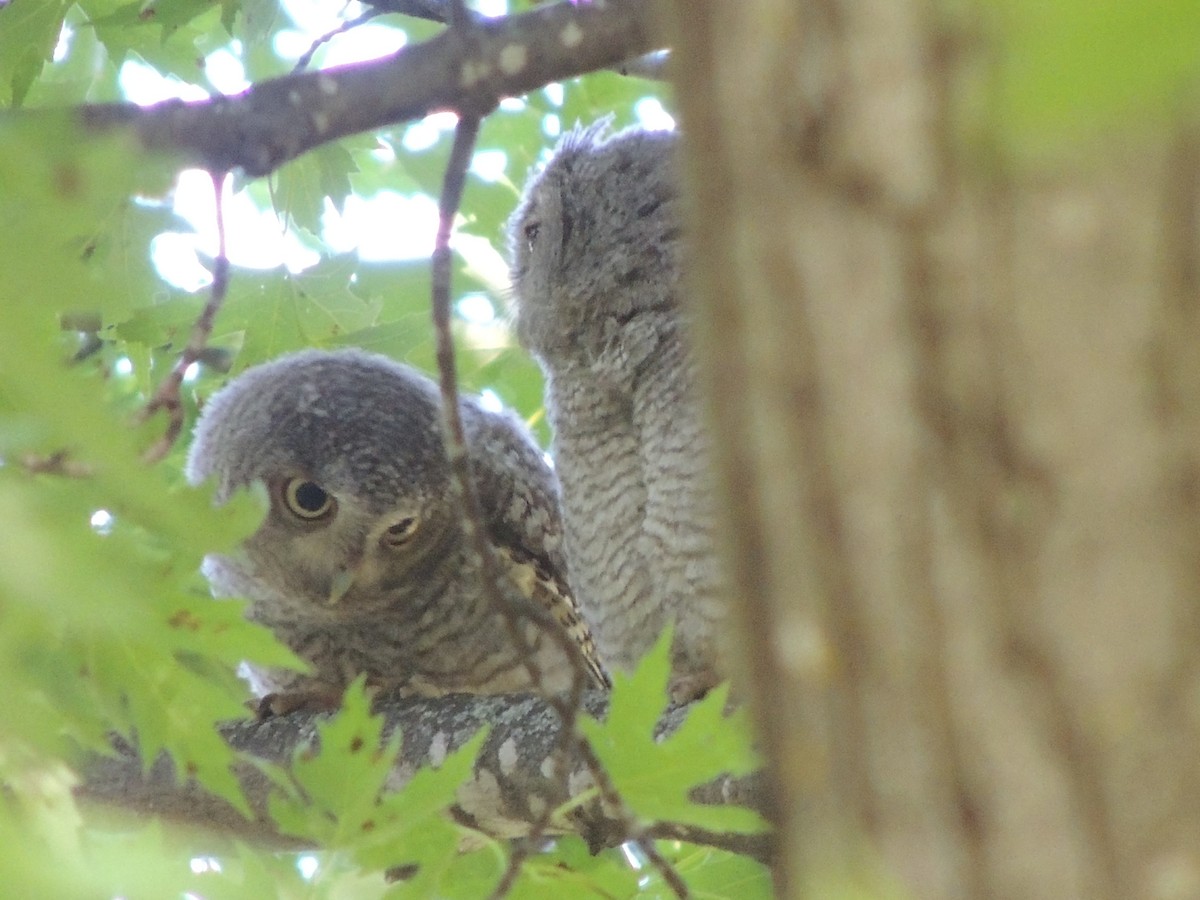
(281, 703)
(683, 689)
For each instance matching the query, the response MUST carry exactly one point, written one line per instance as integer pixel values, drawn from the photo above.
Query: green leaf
(28, 35)
(655, 777)
(571, 870)
(413, 826)
(342, 781)
(172, 14)
(105, 629)
(80, 72)
(170, 36)
(265, 314)
(132, 863)
(257, 19)
(601, 93)
(713, 874)
(303, 184)
(338, 802)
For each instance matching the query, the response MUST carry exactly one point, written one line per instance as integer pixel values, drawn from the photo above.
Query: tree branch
(429, 10)
(509, 789)
(167, 398)
(466, 69)
(571, 747)
(651, 65)
(654, 66)
(460, 474)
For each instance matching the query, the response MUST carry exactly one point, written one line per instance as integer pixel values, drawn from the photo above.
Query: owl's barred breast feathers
(360, 564)
(596, 250)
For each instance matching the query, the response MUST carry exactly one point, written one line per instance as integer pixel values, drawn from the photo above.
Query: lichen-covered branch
(467, 69)
(509, 789)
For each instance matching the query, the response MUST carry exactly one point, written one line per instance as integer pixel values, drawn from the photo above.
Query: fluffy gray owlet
(595, 247)
(361, 564)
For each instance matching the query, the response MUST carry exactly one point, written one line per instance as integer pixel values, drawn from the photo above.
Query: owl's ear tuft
(583, 138)
(224, 490)
(204, 465)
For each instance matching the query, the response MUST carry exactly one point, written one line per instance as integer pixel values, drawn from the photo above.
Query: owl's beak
(340, 585)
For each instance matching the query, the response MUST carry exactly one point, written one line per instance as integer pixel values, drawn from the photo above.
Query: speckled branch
(652, 65)
(466, 69)
(508, 792)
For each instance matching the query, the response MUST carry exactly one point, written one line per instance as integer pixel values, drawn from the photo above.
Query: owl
(361, 564)
(595, 250)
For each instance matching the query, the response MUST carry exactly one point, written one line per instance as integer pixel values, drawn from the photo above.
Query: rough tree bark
(513, 778)
(961, 415)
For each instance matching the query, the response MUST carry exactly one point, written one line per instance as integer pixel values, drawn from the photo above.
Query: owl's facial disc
(386, 538)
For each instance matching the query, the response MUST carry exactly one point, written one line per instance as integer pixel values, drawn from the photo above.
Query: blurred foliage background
(105, 623)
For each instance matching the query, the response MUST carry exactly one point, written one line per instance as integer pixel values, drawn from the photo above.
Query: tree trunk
(959, 462)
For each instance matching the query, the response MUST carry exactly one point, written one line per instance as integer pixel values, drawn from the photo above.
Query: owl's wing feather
(548, 591)
(518, 494)
(517, 490)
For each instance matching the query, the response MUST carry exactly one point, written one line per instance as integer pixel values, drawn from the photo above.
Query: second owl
(596, 267)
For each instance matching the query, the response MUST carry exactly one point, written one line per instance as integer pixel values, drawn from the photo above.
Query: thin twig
(654, 66)
(429, 10)
(568, 737)
(89, 346)
(637, 834)
(456, 449)
(167, 396)
(566, 708)
(57, 463)
(520, 852)
(669, 873)
(756, 845)
(348, 25)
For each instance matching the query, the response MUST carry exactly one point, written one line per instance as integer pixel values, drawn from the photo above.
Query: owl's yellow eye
(402, 532)
(307, 499)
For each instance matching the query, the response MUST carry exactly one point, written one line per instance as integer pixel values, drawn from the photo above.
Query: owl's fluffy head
(362, 513)
(596, 238)
(355, 421)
